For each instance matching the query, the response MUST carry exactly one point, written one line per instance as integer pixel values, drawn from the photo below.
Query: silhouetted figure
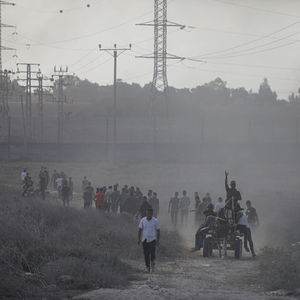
(207, 199)
(43, 183)
(27, 186)
(244, 227)
(208, 224)
(154, 202)
(252, 216)
(184, 208)
(173, 209)
(65, 193)
(132, 203)
(88, 196)
(84, 183)
(54, 177)
(233, 195)
(142, 212)
(115, 200)
(123, 197)
(71, 186)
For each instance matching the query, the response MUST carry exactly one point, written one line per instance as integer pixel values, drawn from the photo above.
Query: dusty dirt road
(192, 278)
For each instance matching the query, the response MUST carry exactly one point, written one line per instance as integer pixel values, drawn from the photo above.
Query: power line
(258, 9)
(253, 66)
(86, 35)
(254, 48)
(87, 64)
(235, 73)
(252, 41)
(257, 52)
(95, 67)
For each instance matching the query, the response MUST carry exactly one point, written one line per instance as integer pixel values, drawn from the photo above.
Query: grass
(280, 268)
(280, 261)
(48, 249)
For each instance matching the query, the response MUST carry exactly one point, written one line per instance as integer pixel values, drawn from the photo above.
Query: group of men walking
(59, 182)
(112, 200)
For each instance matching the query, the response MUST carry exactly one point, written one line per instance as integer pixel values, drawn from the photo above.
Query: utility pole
(160, 57)
(28, 91)
(5, 114)
(60, 74)
(115, 53)
(41, 93)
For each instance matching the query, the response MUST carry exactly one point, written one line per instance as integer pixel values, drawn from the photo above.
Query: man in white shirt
(243, 226)
(149, 234)
(23, 175)
(219, 205)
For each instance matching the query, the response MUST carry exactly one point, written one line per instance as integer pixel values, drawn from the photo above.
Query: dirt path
(192, 278)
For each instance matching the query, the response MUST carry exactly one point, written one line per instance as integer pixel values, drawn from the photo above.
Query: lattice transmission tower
(3, 2)
(4, 80)
(160, 54)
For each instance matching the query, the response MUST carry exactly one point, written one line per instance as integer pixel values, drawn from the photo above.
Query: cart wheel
(238, 248)
(207, 248)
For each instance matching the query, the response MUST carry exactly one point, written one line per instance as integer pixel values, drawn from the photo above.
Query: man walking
(71, 186)
(184, 208)
(154, 202)
(252, 216)
(115, 200)
(88, 196)
(174, 208)
(149, 234)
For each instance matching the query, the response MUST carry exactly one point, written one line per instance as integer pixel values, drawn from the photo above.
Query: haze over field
(66, 151)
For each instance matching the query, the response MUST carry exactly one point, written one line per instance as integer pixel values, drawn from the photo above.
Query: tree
(265, 93)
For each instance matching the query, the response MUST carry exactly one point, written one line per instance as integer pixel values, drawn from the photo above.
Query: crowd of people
(107, 199)
(113, 200)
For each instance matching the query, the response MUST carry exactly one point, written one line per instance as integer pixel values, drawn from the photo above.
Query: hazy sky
(241, 41)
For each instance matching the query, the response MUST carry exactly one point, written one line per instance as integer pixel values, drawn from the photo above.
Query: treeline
(215, 91)
(210, 113)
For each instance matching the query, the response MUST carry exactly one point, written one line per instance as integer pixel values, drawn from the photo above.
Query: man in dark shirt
(143, 208)
(154, 202)
(233, 195)
(65, 193)
(207, 199)
(88, 195)
(174, 208)
(209, 224)
(251, 214)
(115, 200)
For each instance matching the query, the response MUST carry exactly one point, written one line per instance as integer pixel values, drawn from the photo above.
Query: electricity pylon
(160, 57)
(3, 2)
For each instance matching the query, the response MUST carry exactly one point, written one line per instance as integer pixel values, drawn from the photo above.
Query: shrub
(41, 242)
(280, 267)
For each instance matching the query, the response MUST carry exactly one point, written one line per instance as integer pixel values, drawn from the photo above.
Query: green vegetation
(46, 249)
